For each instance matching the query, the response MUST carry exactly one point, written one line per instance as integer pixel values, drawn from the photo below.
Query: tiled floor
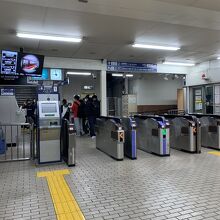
(182, 186)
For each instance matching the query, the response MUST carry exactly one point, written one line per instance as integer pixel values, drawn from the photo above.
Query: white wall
(154, 90)
(212, 70)
(75, 86)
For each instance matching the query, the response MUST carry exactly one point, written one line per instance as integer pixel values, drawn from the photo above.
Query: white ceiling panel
(109, 27)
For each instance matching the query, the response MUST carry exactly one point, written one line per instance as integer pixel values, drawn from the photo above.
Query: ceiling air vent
(84, 1)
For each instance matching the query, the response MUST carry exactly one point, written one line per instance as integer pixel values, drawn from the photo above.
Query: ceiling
(109, 27)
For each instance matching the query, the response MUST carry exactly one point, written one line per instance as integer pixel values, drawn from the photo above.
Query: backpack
(81, 109)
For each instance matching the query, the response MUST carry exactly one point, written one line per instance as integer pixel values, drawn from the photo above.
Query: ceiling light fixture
(155, 47)
(49, 37)
(178, 64)
(79, 73)
(129, 75)
(218, 58)
(117, 74)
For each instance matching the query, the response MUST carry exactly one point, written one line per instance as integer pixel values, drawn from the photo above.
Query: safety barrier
(17, 142)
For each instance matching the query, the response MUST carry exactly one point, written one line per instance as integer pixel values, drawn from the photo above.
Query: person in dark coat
(30, 109)
(90, 113)
(65, 110)
(96, 104)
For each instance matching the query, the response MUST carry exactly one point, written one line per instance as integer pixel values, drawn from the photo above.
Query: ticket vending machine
(49, 132)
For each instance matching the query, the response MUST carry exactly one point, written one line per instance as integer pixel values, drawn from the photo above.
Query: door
(209, 99)
(198, 100)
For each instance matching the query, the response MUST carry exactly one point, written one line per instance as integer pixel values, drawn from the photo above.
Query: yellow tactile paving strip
(216, 153)
(65, 205)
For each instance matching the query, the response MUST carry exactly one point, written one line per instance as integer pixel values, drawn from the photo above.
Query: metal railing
(16, 142)
(176, 112)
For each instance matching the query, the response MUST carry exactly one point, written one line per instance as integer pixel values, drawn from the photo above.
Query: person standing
(30, 109)
(77, 120)
(90, 113)
(65, 110)
(96, 104)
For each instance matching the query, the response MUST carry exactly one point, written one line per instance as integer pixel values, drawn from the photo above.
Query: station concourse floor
(182, 186)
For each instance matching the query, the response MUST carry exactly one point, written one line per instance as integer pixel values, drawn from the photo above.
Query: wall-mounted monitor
(30, 64)
(44, 76)
(56, 74)
(9, 62)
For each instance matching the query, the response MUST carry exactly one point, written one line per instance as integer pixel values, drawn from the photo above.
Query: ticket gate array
(210, 130)
(153, 134)
(110, 136)
(129, 126)
(68, 143)
(185, 133)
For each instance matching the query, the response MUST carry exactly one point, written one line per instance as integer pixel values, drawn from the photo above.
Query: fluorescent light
(178, 64)
(129, 75)
(218, 58)
(117, 74)
(79, 73)
(155, 47)
(49, 37)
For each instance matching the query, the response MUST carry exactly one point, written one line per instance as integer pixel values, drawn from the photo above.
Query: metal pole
(17, 144)
(5, 144)
(23, 146)
(11, 145)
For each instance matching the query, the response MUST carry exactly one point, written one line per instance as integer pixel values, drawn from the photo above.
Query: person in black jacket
(90, 113)
(65, 110)
(30, 109)
(96, 104)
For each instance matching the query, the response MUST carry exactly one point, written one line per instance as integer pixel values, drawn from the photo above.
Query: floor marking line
(65, 205)
(216, 153)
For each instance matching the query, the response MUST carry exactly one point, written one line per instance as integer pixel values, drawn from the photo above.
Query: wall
(75, 86)
(154, 90)
(212, 70)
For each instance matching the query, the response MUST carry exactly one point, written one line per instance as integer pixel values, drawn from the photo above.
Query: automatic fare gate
(210, 130)
(110, 136)
(153, 134)
(185, 133)
(129, 125)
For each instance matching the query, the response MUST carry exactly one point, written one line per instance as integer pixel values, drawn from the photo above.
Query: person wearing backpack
(77, 115)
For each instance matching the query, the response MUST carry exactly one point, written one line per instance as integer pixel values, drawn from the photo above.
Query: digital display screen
(9, 62)
(44, 76)
(56, 74)
(49, 108)
(30, 64)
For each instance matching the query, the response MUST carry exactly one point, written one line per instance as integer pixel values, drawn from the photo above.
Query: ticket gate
(129, 126)
(68, 143)
(185, 133)
(110, 136)
(153, 134)
(210, 130)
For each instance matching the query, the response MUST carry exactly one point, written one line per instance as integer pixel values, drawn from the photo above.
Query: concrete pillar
(103, 88)
(126, 85)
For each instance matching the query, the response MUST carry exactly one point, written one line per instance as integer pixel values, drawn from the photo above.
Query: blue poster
(115, 66)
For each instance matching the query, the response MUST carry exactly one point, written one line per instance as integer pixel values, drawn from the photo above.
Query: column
(103, 92)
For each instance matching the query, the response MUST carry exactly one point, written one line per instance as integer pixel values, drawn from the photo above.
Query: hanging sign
(115, 66)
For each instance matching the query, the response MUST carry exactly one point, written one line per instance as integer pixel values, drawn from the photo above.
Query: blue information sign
(115, 66)
(7, 92)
